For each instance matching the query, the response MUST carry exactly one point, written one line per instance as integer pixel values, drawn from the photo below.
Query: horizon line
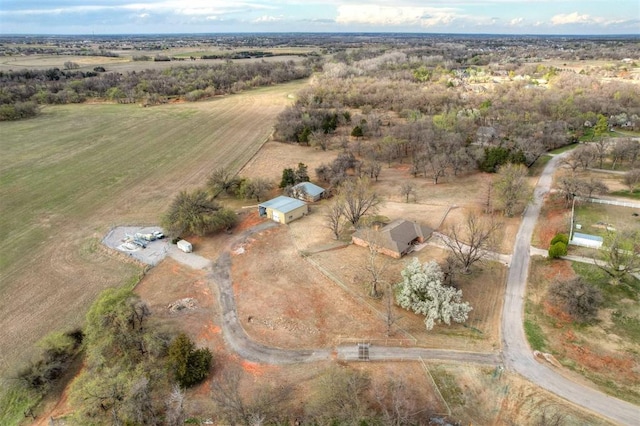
(626, 35)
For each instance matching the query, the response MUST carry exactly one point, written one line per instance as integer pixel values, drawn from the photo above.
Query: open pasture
(75, 171)
(124, 62)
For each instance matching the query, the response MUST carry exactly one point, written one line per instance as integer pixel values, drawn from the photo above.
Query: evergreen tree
(288, 178)
(301, 173)
(189, 365)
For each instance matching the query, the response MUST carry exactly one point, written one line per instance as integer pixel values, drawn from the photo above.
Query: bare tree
(175, 414)
(408, 189)
(460, 160)
(489, 191)
(396, 403)
(390, 316)
(436, 167)
(222, 180)
(255, 188)
(594, 186)
(512, 188)
(600, 148)
(265, 405)
(472, 241)
(572, 161)
(582, 156)
(553, 419)
(621, 255)
(335, 218)
(572, 186)
(621, 150)
(376, 264)
(339, 397)
(372, 168)
(359, 199)
(321, 139)
(576, 297)
(632, 179)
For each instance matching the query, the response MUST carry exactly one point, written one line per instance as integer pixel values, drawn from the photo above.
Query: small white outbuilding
(586, 240)
(185, 246)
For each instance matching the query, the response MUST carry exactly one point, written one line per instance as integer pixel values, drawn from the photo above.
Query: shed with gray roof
(283, 209)
(307, 191)
(586, 240)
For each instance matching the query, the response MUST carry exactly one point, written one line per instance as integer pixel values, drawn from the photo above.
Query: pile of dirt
(187, 303)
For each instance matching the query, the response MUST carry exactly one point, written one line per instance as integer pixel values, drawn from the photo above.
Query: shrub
(564, 238)
(189, 366)
(58, 350)
(577, 298)
(18, 111)
(557, 250)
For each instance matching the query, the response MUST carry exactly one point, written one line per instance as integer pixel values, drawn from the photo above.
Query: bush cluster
(577, 298)
(58, 350)
(558, 246)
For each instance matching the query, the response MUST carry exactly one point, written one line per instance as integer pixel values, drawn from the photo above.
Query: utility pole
(573, 204)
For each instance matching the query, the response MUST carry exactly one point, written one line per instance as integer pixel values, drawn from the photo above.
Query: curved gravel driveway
(516, 351)
(236, 337)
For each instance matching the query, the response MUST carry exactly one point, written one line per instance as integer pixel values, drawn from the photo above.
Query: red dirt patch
(622, 367)
(562, 318)
(249, 220)
(559, 269)
(254, 369)
(553, 220)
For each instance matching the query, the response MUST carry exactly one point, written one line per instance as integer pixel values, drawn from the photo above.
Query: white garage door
(275, 216)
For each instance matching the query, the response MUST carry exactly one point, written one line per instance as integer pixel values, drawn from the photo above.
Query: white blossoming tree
(422, 292)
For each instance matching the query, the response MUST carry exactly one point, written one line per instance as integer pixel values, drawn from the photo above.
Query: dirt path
(516, 351)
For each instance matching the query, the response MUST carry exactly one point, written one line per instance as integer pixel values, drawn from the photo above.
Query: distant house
(586, 240)
(395, 239)
(307, 191)
(283, 209)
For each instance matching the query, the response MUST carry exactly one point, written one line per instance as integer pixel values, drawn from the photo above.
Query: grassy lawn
(634, 195)
(564, 149)
(595, 218)
(537, 167)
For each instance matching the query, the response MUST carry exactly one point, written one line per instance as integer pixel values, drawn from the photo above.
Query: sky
(224, 16)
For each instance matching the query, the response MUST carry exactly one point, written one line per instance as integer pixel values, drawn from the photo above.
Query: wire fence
(611, 202)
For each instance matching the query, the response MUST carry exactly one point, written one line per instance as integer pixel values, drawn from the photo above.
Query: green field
(70, 174)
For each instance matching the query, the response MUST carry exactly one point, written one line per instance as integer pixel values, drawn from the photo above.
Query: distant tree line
(21, 91)
(442, 120)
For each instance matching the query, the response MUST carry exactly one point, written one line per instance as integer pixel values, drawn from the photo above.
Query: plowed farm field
(69, 175)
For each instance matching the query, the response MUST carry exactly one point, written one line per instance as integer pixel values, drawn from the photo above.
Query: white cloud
(572, 18)
(516, 22)
(191, 7)
(395, 16)
(266, 18)
(576, 18)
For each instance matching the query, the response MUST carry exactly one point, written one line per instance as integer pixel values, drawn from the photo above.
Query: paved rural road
(516, 351)
(236, 337)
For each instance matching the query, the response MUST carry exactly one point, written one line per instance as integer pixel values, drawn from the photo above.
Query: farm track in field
(76, 170)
